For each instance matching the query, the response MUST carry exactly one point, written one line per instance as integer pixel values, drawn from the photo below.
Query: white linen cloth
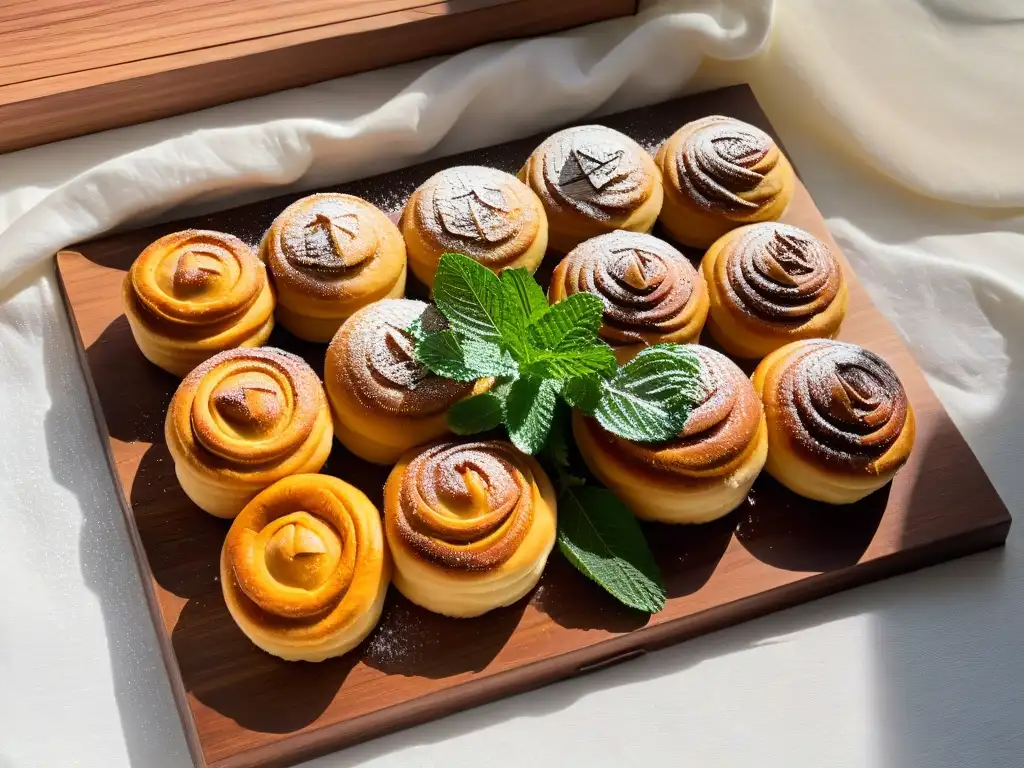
(905, 118)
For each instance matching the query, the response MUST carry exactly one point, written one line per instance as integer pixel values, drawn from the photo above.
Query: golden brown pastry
(469, 524)
(651, 292)
(304, 569)
(839, 423)
(702, 474)
(383, 400)
(193, 294)
(485, 214)
(721, 173)
(243, 420)
(329, 255)
(771, 284)
(593, 180)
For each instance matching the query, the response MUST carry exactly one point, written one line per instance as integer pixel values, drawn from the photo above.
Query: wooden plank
(72, 67)
(242, 707)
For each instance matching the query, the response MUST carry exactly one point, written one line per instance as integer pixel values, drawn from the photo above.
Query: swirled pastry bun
(192, 294)
(592, 180)
(771, 284)
(651, 292)
(839, 423)
(483, 213)
(702, 474)
(470, 525)
(304, 568)
(243, 420)
(384, 401)
(721, 173)
(329, 255)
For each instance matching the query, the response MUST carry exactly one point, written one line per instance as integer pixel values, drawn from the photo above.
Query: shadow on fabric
(139, 681)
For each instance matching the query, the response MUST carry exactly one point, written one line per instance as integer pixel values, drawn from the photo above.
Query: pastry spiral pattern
(486, 214)
(242, 420)
(192, 294)
(330, 254)
(721, 173)
(470, 525)
(771, 284)
(839, 422)
(385, 401)
(651, 292)
(304, 568)
(703, 473)
(592, 180)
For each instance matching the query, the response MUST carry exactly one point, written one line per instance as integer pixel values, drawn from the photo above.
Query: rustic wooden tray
(71, 67)
(241, 707)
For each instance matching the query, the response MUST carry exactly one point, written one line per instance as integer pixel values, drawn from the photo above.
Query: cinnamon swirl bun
(486, 214)
(384, 401)
(839, 422)
(192, 294)
(469, 524)
(591, 180)
(651, 292)
(304, 569)
(721, 173)
(702, 474)
(771, 284)
(329, 255)
(243, 420)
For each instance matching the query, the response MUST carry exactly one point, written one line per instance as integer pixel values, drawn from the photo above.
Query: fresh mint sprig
(504, 327)
(544, 357)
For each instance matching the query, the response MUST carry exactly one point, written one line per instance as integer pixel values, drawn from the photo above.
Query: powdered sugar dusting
(596, 170)
(482, 212)
(645, 283)
(717, 163)
(375, 358)
(779, 273)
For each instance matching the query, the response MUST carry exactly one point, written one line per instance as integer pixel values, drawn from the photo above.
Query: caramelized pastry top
(372, 358)
(197, 278)
(777, 273)
(464, 506)
(725, 165)
(593, 170)
(308, 555)
(484, 213)
(837, 403)
(334, 246)
(717, 436)
(647, 285)
(248, 407)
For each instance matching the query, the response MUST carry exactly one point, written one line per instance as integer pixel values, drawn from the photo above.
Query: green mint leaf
(602, 539)
(650, 398)
(469, 296)
(529, 409)
(573, 363)
(415, 329)
(445, 354)
(583, 392)
(522, 295)
(570, 324)
(488, 359)
(556, 453)
(476, 414)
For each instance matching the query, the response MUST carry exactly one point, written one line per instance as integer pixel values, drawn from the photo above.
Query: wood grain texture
(242, 707)
(72, 67)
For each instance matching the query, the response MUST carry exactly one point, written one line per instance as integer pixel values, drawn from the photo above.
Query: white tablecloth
(905, 117)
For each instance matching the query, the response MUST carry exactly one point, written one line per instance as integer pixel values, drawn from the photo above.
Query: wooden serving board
(71, 67)
(241, 707)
